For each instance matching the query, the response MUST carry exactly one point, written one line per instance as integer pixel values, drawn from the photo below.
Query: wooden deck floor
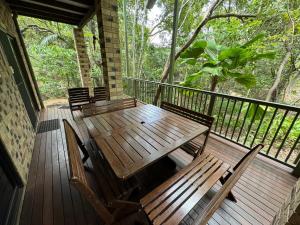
(50, 200)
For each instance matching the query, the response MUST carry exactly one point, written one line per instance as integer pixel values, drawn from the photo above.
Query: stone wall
(16, 131)
(108, 26)
(83, 59)
(289, 214)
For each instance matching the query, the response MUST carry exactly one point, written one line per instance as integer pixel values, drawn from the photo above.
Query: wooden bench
(108, 106)
(110, 205)
(77, 98)
(193, 147)
(100, 94)
(170, 202)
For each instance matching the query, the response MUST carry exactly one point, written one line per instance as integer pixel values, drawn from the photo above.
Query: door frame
(11, 43)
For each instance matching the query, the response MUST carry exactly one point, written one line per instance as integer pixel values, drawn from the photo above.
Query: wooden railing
(243, 121)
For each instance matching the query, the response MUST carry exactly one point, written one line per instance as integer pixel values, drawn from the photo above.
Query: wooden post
(135, 88)
(296, 171)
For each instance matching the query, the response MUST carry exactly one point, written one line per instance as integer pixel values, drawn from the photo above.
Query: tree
(221, 63)
(208, 16)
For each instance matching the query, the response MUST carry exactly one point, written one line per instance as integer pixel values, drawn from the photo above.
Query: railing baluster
(192, 100)
(197, 100)
(184, 98)
(285, 137)
(208, 102)
(237, 119)
(276, 133)
(250, 125)
(224, 115)
(230, 118)
(260, 122)
(245, 118)
(205, 102)
(178, 96)
(270, 124)
(174, 94)
(199, 109)
(219, 115)
(294, 147)
(188, 101)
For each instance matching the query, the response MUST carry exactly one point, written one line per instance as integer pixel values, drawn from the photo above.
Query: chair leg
(205, 141)
(72, 114)
(230, 196)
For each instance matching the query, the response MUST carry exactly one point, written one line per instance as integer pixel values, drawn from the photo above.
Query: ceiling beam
(52, 4)
(78, 3)
(89, 15)
(45, 16)
(42, 9)
(45, 12)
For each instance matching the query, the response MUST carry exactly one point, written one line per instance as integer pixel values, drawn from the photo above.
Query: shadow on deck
(50, 200)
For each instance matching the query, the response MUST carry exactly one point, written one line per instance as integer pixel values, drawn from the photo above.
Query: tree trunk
(214, 82)
(134, 46)
(140, 61)
(275, 85)
(126, 39)
(187, 44)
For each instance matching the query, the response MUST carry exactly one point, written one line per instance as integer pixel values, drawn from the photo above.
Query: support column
(82, 59)
(108, 26)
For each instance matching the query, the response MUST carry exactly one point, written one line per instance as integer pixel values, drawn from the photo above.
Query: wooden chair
(77, 98)
(100, 94)
(170, 202)
(114, 105)
(193, 147)
(110, 206)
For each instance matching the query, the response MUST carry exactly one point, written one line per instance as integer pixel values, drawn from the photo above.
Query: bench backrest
(77, 95)
(218, 198)
(78, 177)
(100, 94)
(118, 105)
(195, 116)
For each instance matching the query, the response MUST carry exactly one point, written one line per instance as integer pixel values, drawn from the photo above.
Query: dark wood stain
(50, 199)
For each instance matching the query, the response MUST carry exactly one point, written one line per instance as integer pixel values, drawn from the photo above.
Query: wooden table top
(132, 139)
(99, 107)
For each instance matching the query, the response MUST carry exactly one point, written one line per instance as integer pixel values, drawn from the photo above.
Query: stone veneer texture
(108, 25)
(16, 131)
(289, 214)
(83, 59)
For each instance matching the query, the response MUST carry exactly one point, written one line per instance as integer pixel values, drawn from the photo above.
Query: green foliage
(51, 49)
(223, 62)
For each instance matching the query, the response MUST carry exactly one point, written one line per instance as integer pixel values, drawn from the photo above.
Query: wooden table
(134, 138)
(99, 107)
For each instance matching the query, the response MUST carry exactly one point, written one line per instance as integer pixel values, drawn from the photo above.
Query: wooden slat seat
(109, 106)
(77, 98)
(170, 202)
(193, 148)
(100, 94)
(110, 200)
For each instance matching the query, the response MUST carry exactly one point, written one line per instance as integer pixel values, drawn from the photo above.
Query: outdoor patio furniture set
(126, 139)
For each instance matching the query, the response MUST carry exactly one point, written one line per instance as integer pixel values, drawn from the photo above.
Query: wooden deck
(50, 200)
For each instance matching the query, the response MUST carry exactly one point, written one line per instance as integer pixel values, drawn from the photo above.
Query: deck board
(50, 200)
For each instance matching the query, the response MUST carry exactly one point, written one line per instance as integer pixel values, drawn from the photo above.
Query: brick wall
(16, 131)
(289, 214)
(83, 59)
(108, 25)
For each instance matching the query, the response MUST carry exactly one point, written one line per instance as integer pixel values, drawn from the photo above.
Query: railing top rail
(251, 100)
